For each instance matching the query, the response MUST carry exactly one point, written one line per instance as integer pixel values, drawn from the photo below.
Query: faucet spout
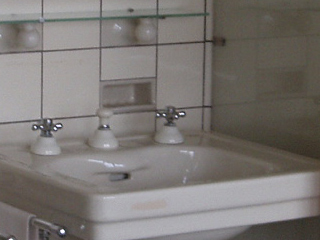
(103, 137)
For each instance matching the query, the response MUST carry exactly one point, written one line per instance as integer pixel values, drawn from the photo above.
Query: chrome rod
(10, 237)
(56, 229)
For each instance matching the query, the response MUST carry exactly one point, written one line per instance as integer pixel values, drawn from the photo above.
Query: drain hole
(115, 177)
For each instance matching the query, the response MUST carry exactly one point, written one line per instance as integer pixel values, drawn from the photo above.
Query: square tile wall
(180, 72)
(18, 7)
(54, 6)
(60, 79)
(126, 63)
(70, 35)
(70, 83)
(176, 30)
(20, 89)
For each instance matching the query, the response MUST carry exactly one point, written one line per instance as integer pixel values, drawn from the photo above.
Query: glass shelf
(91, 16)
(20, 18)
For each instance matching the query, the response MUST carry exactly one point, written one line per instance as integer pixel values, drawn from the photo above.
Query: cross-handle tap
(46, 126)
(170, 114)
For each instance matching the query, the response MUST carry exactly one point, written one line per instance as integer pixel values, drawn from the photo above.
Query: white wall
(266, 83)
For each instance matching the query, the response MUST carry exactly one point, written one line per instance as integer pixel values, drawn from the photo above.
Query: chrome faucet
(46, 126)
(169, 133)
(170, 114)
(46, 143)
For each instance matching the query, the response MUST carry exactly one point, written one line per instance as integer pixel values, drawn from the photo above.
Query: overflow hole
(115, 177)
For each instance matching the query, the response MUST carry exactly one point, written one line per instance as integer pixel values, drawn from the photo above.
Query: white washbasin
(210, 182)
(156, 167)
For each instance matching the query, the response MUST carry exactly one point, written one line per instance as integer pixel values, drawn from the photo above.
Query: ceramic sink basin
(210, 182)
(156, 167)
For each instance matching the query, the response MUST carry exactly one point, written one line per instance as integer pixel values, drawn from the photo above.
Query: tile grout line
(100, 53)
(204, 75)
(157, 64)
(42, 64)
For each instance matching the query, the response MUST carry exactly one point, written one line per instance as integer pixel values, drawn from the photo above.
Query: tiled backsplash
(61, 78)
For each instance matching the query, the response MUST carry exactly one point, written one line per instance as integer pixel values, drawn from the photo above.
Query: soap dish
(128, 95)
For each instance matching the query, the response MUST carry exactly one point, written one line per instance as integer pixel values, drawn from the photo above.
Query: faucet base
(169, 135)
(103, 139)
(45, 146)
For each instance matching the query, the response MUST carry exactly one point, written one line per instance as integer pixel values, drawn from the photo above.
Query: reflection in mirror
(267, 77)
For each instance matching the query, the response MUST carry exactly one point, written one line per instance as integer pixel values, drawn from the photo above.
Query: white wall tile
(70, 35)
(232, 118)
(71, 6)
(76, 128)
(180, 75)
(234, 72)
(71, 83)
(279, 53)
(207, 101)
(283, 4)
(17, 7)
(126, 63)
(281, 83)
(276, 112)
(125, 4)
(133, 123)
(181, 30)
(67, 35)
(285, 23)
(193, 120)
(236, 19)
(195, 5)
(20, 87)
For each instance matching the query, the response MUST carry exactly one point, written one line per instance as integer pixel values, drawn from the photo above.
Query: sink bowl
(211, 182)
(155, 167)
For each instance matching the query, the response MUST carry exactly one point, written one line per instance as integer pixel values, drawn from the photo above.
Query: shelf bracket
(219, 41)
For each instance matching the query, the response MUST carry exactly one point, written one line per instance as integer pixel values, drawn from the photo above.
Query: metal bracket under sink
(47, 228)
